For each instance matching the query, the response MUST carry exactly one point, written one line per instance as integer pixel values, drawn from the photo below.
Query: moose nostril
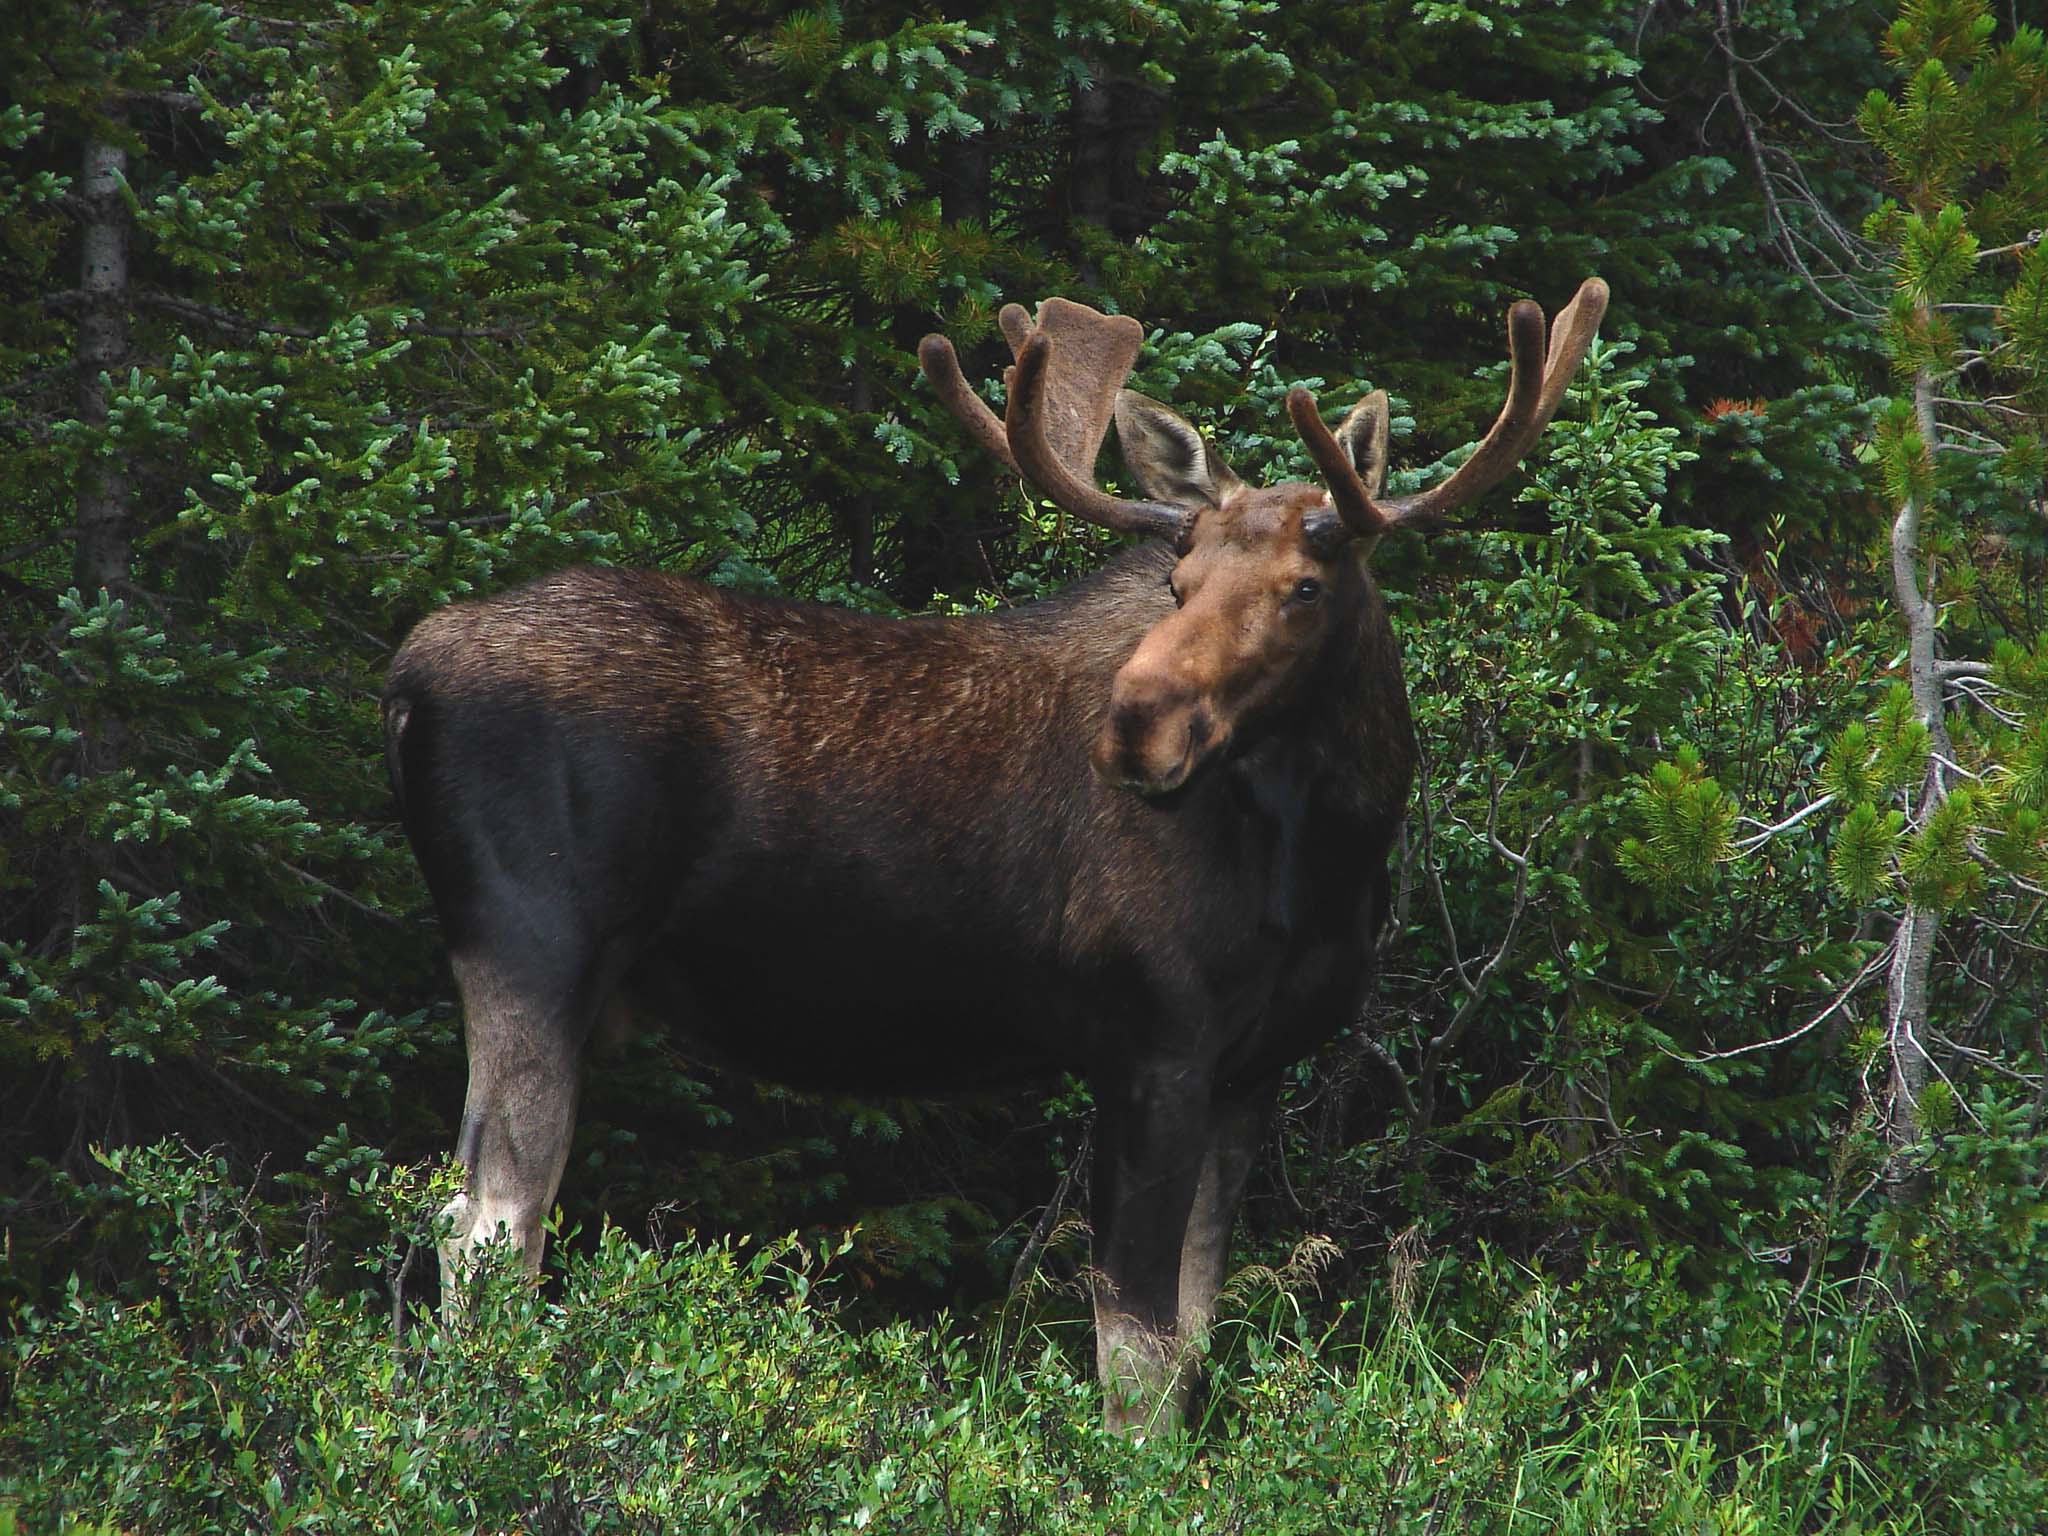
(1199, 729)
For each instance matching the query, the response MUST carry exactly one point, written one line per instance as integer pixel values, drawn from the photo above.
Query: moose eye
(1307, 590)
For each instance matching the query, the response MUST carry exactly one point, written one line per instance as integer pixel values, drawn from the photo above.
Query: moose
(1138, 831)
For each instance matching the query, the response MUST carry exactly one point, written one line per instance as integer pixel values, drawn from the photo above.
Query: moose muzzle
(1160, 728)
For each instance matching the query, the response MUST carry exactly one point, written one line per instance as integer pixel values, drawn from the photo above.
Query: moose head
(1265, 577)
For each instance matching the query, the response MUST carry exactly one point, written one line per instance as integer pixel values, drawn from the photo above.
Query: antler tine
(1025, 426)
(1537, 387)
(941, 365)
(1017, 326)
(1571, 333)
(1348, 493)
(1057, 412)
(1506, 441)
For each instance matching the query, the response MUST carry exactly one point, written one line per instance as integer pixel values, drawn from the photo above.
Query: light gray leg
(519, 1116)
(1148, 1372)
(1142, 1368)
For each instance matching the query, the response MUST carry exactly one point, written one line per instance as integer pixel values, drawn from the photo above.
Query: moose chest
(1253, 924)
(1274, 796)
(1320, 904)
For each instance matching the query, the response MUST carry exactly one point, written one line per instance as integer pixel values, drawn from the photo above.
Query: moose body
(860, 853)
(1137, 832)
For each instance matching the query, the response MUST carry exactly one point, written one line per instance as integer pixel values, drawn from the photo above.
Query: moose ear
(1363, 437)
(1171, 461)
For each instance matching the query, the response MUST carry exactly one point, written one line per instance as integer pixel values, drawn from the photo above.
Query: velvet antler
(1071, 361)
(1537, 382)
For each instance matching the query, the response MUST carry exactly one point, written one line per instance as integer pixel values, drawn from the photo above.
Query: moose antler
(1537, 380)
(941, 365)
(1071, 361)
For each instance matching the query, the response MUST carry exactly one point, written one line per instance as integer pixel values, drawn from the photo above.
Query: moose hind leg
(520, 1113)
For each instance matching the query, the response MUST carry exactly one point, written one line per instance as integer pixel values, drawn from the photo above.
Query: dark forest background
(1693, 1147)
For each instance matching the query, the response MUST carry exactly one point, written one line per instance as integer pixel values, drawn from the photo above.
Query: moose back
(1137, 832)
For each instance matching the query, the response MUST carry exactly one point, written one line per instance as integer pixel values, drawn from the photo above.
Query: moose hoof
(1145, 1377)
(456, 1219)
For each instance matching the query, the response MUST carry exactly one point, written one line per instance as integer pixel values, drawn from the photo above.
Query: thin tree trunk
(1094, 154)
(963, 174)
(860, 507)
(1574, 1140)
(938, 547)
(1906, 986)
(1110, 119)
(105, 551)
(102, 558)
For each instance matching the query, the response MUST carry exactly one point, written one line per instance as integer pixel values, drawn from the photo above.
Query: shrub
(259, 1385)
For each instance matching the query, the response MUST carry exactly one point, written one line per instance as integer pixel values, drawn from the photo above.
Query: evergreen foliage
(1928, 831)
(374, 314)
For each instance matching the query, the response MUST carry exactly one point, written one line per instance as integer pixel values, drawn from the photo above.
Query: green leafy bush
(257, 1384)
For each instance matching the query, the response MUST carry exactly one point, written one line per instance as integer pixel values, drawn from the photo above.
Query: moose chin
(1138, 832)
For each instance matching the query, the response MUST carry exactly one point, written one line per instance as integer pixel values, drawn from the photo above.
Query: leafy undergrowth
(262, 1387)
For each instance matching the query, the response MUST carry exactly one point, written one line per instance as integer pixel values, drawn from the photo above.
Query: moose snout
(1151, 740)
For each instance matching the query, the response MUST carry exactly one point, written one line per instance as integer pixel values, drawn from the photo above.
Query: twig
(1027, 1259)
(36, 546)
(1808, 1027)
(1461, 1021)
(2028, 243)
(1784, 826)
(1385, 1058)
(1983, 1058)
(1436, 880)
(398, 1295)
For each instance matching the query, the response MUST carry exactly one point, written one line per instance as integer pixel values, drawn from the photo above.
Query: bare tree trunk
(105, 550)
(1574, 1141)
(102, 558)
(1104, 188)
(938, 547)
(1094, 146)
(860, 507)
(963, 174)
(856, 504)
(1906, 986)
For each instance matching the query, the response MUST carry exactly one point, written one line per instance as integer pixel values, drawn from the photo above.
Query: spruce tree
(1932, 804)
(313, 319)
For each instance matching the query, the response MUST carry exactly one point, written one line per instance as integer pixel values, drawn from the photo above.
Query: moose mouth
(1158, 788)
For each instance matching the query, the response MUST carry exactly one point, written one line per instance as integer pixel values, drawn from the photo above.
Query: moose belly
(860, 997)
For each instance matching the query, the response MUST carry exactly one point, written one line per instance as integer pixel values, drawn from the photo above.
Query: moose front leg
(1151, 1139)
(1236, 1122)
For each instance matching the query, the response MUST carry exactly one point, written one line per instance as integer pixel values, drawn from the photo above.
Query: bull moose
(1138, 831)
